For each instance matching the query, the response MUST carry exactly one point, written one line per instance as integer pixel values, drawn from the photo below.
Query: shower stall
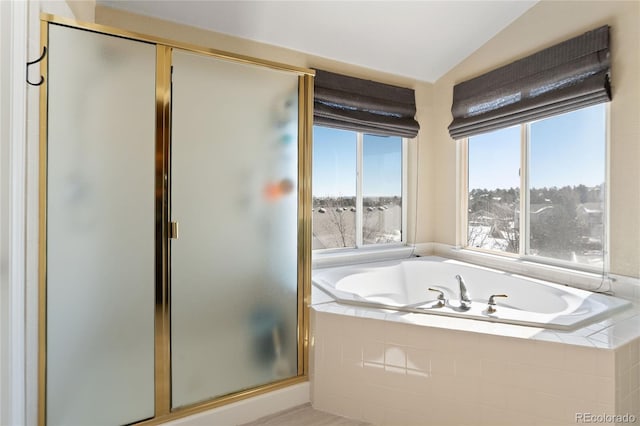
(175, 226)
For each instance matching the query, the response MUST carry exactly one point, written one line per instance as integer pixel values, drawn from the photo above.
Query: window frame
(524, 218)
(360, 247)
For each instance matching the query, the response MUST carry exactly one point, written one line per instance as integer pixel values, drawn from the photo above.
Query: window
(562, 160)
(357, 189)
(494, 190)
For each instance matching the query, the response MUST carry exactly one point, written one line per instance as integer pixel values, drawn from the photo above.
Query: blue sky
(567, 149)
(334, 164)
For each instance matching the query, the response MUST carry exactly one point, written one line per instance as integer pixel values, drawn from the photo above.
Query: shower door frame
(162, 342)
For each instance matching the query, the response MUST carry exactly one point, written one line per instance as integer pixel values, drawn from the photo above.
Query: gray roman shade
(362, 105)
(570, 75)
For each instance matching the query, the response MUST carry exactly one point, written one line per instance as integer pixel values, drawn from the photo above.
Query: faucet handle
(492, 302)
(441, 298)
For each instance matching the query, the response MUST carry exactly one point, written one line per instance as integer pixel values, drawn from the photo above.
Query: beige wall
(173, 31)
(83, 10)
(545, 24)
(433, 155)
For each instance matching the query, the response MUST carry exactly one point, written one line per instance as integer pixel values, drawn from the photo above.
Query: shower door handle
(173, 230)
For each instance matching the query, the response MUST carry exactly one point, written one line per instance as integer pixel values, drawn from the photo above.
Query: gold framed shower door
(162, 342)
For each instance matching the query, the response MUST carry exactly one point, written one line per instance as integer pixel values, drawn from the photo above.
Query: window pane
(494, 190)
(566, 190)
(382, 189)
(334, 188)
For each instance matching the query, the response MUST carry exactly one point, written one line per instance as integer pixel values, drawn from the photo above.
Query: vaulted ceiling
(416, 39)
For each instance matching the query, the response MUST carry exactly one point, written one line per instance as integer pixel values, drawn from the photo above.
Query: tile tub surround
(410, 369)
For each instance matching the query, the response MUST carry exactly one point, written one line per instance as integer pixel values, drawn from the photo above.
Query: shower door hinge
(173, 230)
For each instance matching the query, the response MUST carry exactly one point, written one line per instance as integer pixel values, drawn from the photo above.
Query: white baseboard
(249, 409)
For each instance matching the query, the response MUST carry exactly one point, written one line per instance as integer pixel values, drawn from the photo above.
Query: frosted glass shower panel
(100, 229)
(234, 169)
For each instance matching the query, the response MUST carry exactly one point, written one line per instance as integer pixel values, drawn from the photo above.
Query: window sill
(325, 259)
(627, 287)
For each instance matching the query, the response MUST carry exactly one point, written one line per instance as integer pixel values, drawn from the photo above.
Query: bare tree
(336, 224)
(341, 224)
(477, 236)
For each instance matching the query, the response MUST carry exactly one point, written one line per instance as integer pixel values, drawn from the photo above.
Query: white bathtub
(403, 286)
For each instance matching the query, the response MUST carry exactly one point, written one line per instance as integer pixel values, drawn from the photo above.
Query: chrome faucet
(465, 297)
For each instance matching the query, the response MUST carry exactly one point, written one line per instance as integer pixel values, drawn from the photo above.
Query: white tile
(375, 394)
(395, 356)
(550, 407)
(456, 390)
(548, 336)
(395, 377)
(634, 378)
(373, 413)
(348, 387)
(373, 363)
(494, 371)
(409, 417)
(635, 404)
(577, 410)
(623, 359)
(468, 366)
(442, 363)
(494, 348)
(587, 331)
(373, 352)
(572, 339)
(400, 400)
(627, 330)
(623, 386)
(580, 359)
(577, 385)
(490, 416)
(417, 336)
(434, 339)
(350, 371)
(634, 352)
(375, 314)
(599, 344)
(351, 328)
(606, 336)
(624, 405)
(520, 400)
(323, 401)
(346, 407)
(395, 417)
(493, 395)
(352, 352)
(605, 408)
(395, 333)
(605, 389)
(469, 416)
(332, 351)
(605, 363)
(417, 359)
(530, 377)
(543, 354)
(372, 330)
(373, 374)
(418, 382)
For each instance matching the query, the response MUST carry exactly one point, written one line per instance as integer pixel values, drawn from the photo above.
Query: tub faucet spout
(465, 297)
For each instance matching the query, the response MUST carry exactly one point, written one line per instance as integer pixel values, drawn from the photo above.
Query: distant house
(590, 214)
